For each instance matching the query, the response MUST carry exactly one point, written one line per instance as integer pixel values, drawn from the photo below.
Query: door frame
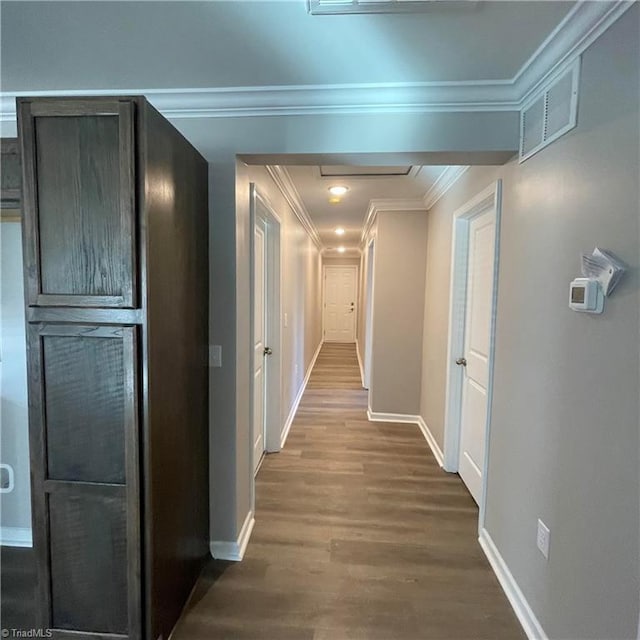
(260, 207)
(354, 268)
(491, 197)
(369, 284)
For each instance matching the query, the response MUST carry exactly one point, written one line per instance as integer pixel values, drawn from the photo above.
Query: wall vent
(335, 7)
(551, 112)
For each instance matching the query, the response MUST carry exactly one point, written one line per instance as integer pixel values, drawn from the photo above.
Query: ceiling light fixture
(338, 190)
(340, 231)
(341, 249)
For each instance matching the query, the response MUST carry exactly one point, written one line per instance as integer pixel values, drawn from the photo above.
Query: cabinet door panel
(79, 204)
(88, 563)
(84, 406)
(85, 471)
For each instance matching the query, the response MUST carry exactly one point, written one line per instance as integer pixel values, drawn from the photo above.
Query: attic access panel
(345, 171)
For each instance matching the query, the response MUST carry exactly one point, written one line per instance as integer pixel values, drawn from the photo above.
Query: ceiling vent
(334, 7)
(551, 112)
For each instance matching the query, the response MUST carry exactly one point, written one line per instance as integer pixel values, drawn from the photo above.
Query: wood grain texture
(175, 402)
(85, 469)
(359, 534)
(84, 404)
(88, 563)
(115, 235)
(79, 202)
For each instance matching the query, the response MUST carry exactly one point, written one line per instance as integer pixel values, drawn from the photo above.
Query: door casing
(261, 208)
(368, 312)
(489, 197)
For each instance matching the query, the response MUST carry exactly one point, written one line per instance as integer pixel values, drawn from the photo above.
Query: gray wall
(564, 436)
(398, 307)
(15, 511)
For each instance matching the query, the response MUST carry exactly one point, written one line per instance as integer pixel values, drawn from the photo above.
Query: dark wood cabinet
(115, 244)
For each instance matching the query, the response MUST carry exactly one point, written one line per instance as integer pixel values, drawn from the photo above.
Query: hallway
(359, 534)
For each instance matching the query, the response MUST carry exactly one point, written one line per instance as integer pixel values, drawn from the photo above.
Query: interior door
(476, 350)
(340, 304)
(259, 333)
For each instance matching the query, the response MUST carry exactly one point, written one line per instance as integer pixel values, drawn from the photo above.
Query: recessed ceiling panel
(343, 171)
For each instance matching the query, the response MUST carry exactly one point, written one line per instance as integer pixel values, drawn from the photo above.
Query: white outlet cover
(7, 473)
(543, 538)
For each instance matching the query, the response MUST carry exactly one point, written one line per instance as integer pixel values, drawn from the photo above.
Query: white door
(340, 304)
(259, 333)
(477, 339)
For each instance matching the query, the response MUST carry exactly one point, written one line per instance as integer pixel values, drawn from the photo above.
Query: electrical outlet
(215, 355)
(543, 538)
(6, 478)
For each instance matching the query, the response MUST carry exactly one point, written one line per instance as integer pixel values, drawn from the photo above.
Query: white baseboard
(410, 419)
(16, 537)
(523, 611)
(378, 416)
(224, 550)
(360, 363)
(431, 441)
(296, 402)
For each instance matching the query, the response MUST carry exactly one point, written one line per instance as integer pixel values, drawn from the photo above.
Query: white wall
(564, 439)
(15, 511)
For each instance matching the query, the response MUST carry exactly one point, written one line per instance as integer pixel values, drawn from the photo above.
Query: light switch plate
(543, 538)
(215, 355)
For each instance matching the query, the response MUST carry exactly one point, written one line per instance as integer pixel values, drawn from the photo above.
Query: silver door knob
(462, 361)
(268, 351)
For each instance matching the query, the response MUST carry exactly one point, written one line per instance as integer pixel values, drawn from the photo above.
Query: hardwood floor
(359, 535)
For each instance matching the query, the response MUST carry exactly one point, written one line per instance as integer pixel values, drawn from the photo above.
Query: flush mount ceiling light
(341, 249)
(338, 190)
(340, 231)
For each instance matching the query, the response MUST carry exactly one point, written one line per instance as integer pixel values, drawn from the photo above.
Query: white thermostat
(585, 294)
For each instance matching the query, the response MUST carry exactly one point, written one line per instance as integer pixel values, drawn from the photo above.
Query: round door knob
(462, 362)
(268, 351)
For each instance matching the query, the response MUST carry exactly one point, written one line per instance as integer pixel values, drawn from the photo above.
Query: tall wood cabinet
(116, 285)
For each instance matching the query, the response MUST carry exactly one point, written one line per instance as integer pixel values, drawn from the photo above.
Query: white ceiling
(351, 211)
(265, 44)
(145, 45)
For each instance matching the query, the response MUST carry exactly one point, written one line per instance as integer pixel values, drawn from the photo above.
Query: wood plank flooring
(359, 535)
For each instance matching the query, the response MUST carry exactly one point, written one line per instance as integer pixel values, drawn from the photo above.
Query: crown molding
(579, 29)
(442, 184)
(283, 181)
(584, 23)
(379, 205)
(423, 97)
